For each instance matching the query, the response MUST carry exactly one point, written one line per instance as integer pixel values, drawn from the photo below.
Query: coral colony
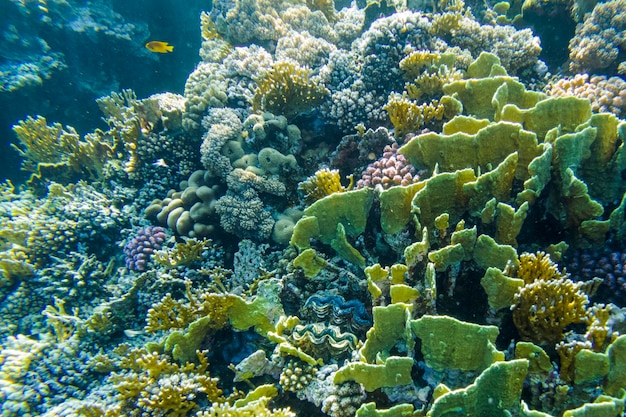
(378, 209)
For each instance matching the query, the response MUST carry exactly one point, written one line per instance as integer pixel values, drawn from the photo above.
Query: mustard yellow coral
(288, 90)
(414, 64)
(169, 314)
(58, 153)
(407, 116)
(155, 385)
(548, 302)
(324, 182)
(183, 253)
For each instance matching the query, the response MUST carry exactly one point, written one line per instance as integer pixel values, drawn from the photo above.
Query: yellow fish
(160, 47)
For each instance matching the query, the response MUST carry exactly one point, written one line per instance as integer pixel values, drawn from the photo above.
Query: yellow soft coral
(548, 302)
(287, 89)
(324, 182)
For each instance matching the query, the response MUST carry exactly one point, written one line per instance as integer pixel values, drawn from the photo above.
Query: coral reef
(210, 255)
(605, 95)
(286, 89)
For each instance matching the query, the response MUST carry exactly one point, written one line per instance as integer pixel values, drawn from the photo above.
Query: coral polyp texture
(376, 209)
(140, 248)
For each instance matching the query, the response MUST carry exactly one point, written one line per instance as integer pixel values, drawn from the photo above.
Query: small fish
(159, 47)
(160, 163)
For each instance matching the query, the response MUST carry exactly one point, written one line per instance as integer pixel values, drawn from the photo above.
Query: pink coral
(606, 95)
(389, 170)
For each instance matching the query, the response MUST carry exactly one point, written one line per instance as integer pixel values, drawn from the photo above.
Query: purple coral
(139, 248)
(389, 170)
(605, 264)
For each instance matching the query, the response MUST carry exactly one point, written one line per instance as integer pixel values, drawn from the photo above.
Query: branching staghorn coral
(597, 338)
(324, 182)
(207, 27)
(257, 408)
(325, 6)
(63, 324)
(287, 89)
(169, 314)
(124, 125)
(427, 72)
(449, 18)
(42, 143)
